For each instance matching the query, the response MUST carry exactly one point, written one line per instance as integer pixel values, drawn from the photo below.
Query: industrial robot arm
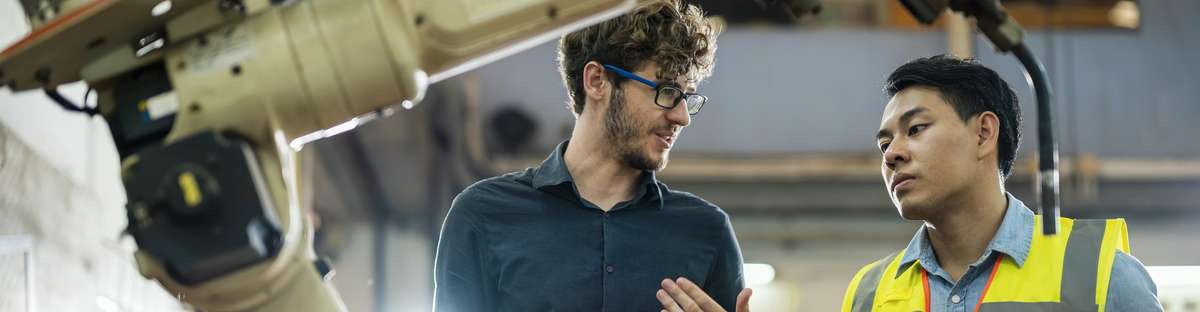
(208, 102)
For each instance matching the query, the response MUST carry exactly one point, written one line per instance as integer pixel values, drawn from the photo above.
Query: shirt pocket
(900, 301)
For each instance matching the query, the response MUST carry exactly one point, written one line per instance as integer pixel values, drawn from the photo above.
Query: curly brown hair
(674, 35)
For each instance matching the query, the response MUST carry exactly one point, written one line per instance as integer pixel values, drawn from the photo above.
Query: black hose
(1047, 186)
(67, 105)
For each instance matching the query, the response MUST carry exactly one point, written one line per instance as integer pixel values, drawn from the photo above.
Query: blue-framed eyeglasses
(665, 96)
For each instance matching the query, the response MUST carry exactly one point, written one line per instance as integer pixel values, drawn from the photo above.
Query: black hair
(971, 89)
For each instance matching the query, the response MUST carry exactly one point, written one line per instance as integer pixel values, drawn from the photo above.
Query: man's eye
(917, 128)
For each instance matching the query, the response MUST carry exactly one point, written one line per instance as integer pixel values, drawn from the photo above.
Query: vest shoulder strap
(1085, 266)
(860, 295)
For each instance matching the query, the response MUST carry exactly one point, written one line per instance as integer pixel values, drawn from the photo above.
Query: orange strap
(995, 268)
(925, 283)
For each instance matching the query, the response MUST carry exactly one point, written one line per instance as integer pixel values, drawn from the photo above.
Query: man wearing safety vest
(949, 135)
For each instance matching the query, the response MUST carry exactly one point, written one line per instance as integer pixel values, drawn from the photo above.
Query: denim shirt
(1129, 289)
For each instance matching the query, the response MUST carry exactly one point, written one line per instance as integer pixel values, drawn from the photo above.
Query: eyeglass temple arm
(627, 74)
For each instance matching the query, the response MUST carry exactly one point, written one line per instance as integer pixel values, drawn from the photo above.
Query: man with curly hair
(591, 229)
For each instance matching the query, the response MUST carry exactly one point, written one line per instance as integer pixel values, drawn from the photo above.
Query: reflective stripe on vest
(1066, 272)
(861, 295)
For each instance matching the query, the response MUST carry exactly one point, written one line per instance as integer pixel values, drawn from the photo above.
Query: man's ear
(987, 127)
(596, 86)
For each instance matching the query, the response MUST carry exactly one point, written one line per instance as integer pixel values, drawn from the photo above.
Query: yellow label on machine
(191, 190)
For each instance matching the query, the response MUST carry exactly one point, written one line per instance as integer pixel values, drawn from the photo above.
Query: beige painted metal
(323, 66)
(84, 31)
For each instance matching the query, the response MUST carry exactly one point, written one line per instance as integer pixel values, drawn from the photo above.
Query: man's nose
(679, 114)
(896, 153)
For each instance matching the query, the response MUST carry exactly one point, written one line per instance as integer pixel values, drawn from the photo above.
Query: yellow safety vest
(1064, 272)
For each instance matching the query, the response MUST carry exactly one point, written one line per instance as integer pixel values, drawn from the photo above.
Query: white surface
(78, 251)
(78, 146)
(1175, 276)
(758, 273)
(60, 184)
(1178, 287)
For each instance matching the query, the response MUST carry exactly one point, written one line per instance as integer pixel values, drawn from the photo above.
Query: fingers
(681, 297)
(743, 300)
(669, 304)
(697, 294)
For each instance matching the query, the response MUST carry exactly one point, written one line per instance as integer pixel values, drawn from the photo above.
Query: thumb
(743, 300)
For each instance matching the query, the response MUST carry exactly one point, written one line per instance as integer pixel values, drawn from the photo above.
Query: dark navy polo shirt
(526, 241)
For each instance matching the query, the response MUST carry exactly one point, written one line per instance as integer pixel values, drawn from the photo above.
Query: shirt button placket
(607, 267)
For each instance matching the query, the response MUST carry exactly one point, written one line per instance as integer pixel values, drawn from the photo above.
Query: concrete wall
(59, 184)
(79, 147)
(81, 260)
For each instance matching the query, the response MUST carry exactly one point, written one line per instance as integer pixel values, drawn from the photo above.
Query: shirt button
(955, 299)
(609, 269)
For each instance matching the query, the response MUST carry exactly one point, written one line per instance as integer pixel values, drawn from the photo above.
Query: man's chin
(661, 164)
(912, 214)
(655, 163)
(644, 161)
(655, 159)
(911, 209)
(660, 159)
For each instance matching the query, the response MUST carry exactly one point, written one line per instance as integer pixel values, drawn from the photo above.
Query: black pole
(1047, 175)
